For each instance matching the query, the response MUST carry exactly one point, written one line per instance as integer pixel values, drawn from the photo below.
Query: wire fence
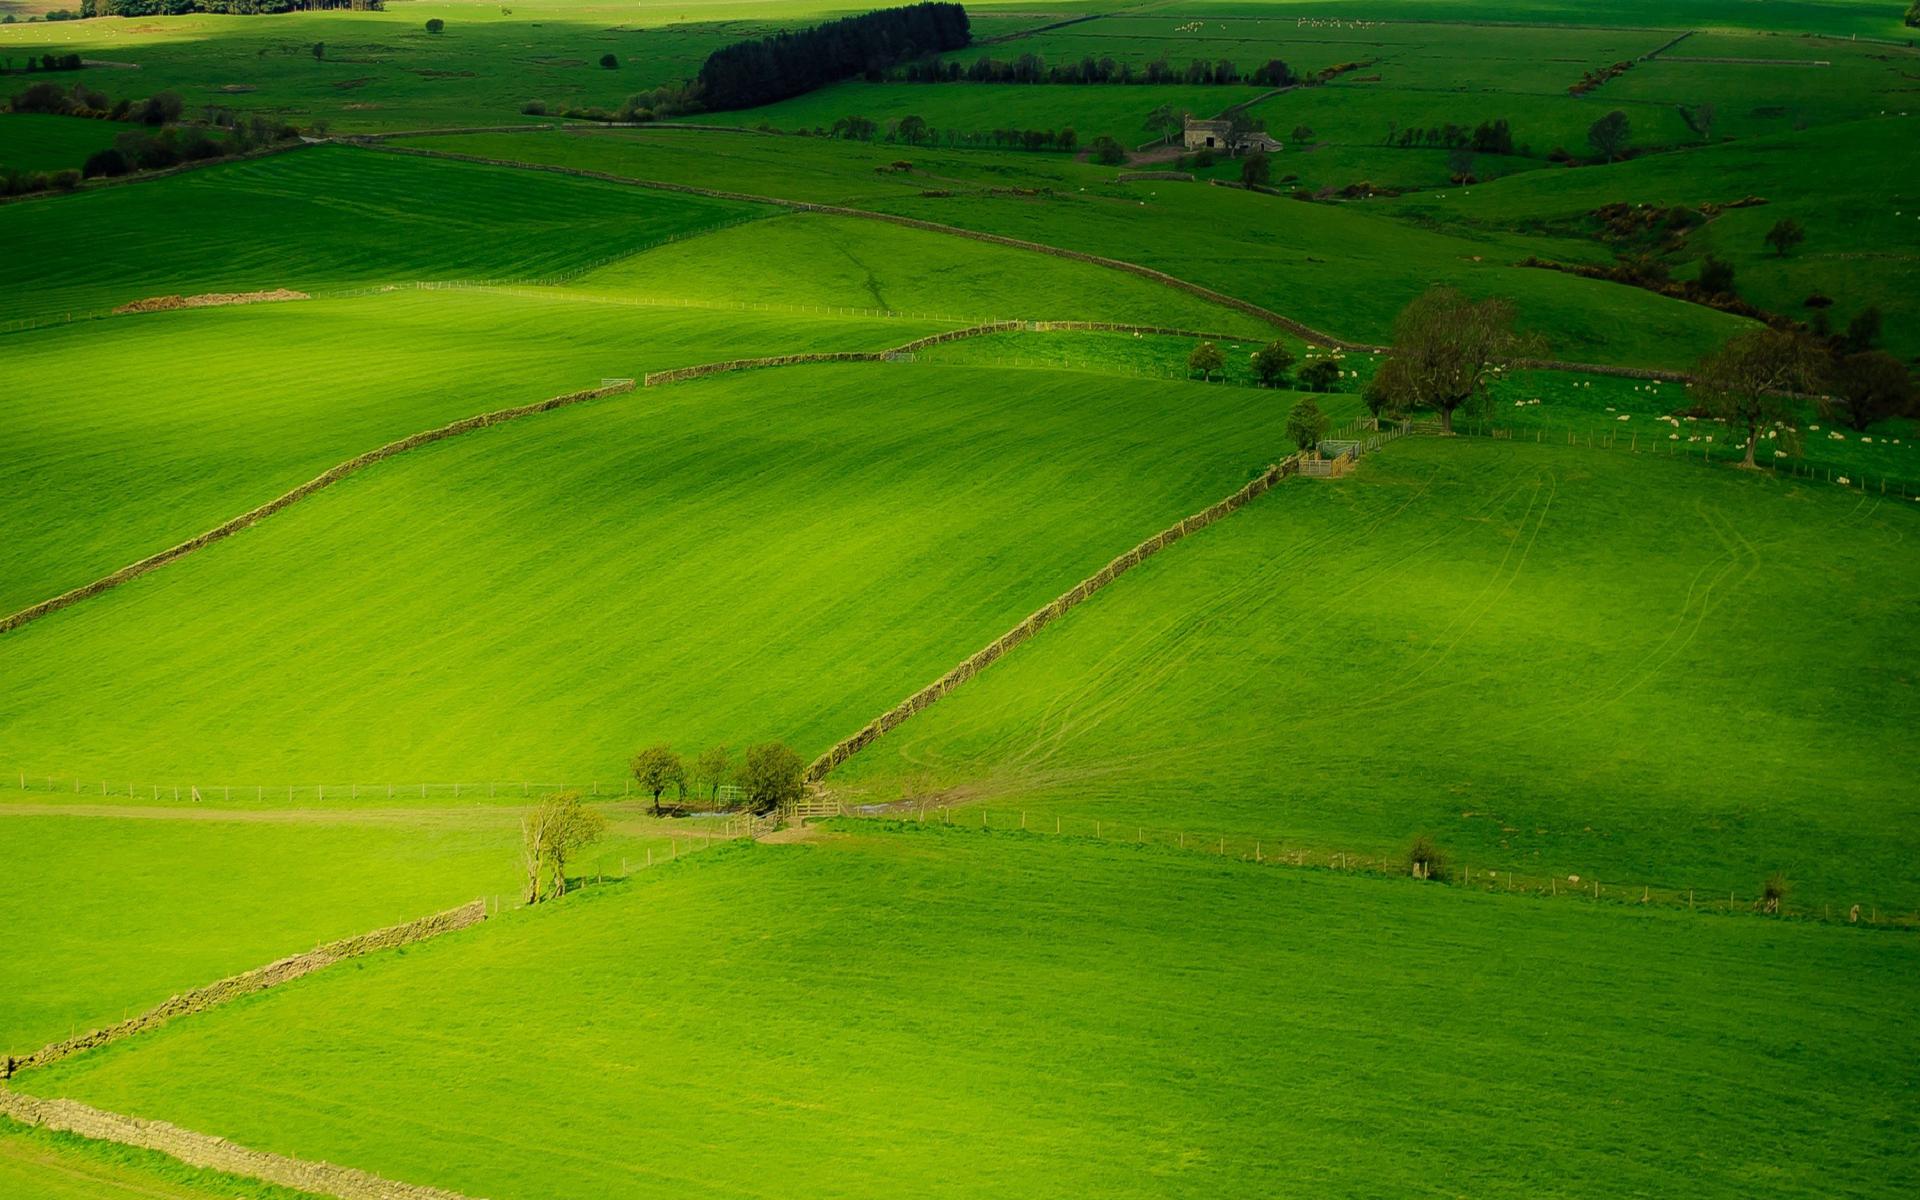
(1490, 877)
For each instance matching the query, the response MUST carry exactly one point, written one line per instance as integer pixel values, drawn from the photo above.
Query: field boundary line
(212, 1153)
(906, 350)
(1040, 618)
(325, 479)
(273, 974)
(1299, 329)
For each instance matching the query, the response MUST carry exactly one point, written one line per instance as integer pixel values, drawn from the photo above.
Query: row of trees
(1032, 68)
(913, 130)
(1271, 364)
(1488, 137)
(161, 108)
(768, 775)
(42, 62)
(749, 74)
(173, 8)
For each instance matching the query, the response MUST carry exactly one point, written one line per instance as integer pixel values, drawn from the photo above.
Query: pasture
(895, 1001)
(1446, 644)
(1137, 908)
(721, 546)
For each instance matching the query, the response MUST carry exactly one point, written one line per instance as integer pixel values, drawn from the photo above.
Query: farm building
(1219, 135)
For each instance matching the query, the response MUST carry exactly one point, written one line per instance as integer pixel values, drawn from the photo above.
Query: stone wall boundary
(325, 479)
(211, 1153)
(1040, 618)
(258, 979)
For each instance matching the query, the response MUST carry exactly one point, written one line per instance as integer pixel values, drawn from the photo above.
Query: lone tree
(911, 129)
(1716, 276)
(1746, 382)
(1166, 121)
(1271, 363)
(1302, 133)
(1379, 400)
(1306, 425)
(1785, 235)
(610, 62)
(710, 770)
(1773, 893)
(1206, 359)
(1867, 387)
(1256, 169)
(435, 25)
(1320, 375)
(771, 775)
(1446, 350)
(550, 833)
(656, 769)
(1609, 134)
(319, 51)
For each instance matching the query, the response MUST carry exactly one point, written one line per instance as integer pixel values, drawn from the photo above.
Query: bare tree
(656, 769)
(1748, 382)
(1446, 350)
(550, 833)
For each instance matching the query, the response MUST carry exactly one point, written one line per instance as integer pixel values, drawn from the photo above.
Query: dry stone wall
(211, 1153)
(327, 478)
(258, 979)
(1039, 619)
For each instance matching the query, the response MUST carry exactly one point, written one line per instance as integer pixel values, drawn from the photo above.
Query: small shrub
(1320, 375)
(1425, 860)
(108, 163)
(609, 62)
(1773, 893)
(534, 108)
(436, 25)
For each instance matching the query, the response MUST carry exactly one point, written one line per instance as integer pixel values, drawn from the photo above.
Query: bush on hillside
(1320, 375)
(534, 108)
(1425, 859)
(610, 62)
(436, 25)
(772, 775)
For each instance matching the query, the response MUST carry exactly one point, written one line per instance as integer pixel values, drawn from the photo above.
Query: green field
(325, 217)
(879, 1027)
(259, 399)
(1136, 908)
(1334, 668)
(721, 545)
(35, 142)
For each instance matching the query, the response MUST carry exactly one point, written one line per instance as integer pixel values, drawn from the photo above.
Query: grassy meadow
(1129, 913)
(720, 547)
(257, 399)
(325, 217)
(895, 1001)
(1447, 644)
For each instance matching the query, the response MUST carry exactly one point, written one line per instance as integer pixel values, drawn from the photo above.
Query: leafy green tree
(1913, 14)
(1863, 332)
(1306, 425)
(1747, 382)
(1108, 152)
(1206, 359)
(1378, 397)
(1867, 387)
(1446, 349)
(710, 769)
(1609, 134)
(435, 25)
(1271, 363)
(319, 52)
(1320, 375)
(610, 62)
(1716, 276)
(1256, 169)
(771, 775)
(1166, 121)
(911, 129)
(550, 833)
(656, 769)
(1785, 235)
(1303, 133)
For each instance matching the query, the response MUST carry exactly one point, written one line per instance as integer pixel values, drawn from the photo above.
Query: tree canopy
(1748, 382)
(550, 833)
(1446, 349)
(749, 74)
